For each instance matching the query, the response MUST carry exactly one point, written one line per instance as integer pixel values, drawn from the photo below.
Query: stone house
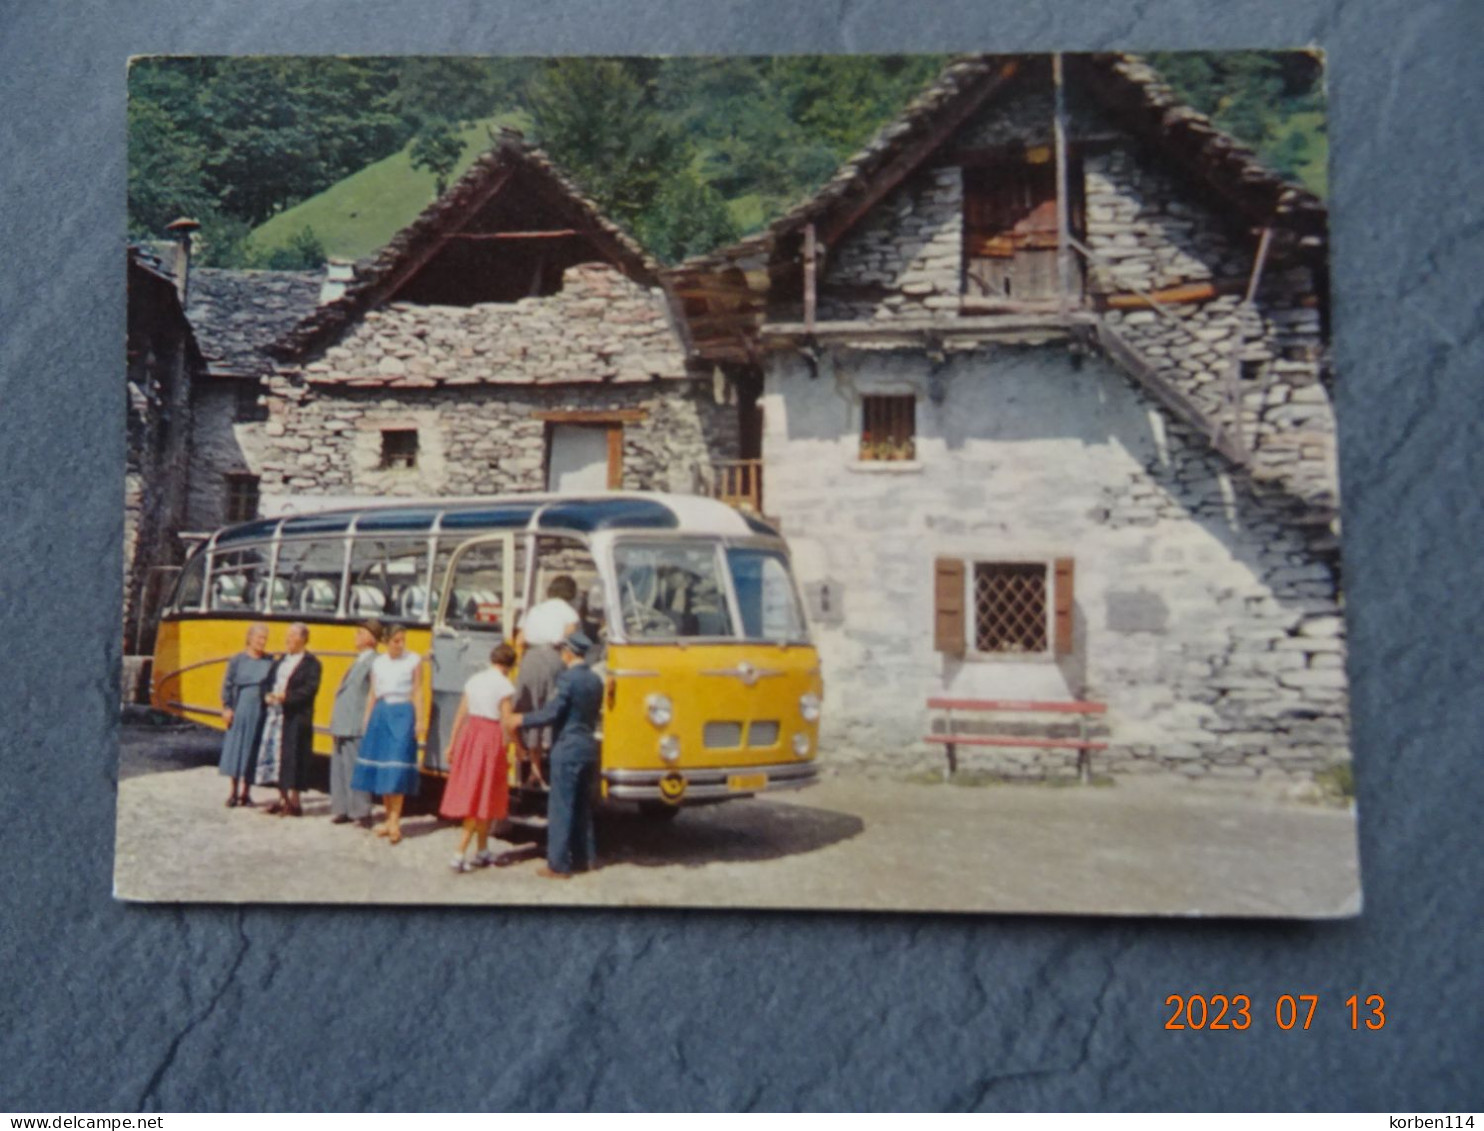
(1039, 385)
(237, 315)
(510, 339)
(164, 366)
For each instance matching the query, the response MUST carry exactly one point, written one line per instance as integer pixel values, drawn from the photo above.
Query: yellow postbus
(713, 687)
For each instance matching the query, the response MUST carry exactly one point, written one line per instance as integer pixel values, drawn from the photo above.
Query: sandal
(394, 837)
(232, 802)
(275, 809)
(383, 829)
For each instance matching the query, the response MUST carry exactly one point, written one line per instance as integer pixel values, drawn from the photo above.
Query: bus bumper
(711, 783)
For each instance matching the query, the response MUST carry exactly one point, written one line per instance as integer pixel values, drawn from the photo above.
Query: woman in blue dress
(242, 711)
(388, 760)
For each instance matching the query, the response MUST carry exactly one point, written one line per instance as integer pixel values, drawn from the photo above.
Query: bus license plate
(746, 783)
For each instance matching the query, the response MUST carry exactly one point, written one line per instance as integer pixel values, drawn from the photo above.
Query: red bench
(951, 739)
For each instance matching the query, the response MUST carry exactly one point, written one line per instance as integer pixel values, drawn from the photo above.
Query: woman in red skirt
(478, 790)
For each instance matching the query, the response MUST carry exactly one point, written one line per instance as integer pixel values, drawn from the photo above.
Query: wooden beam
(590, 416)
(811, 252)
(557, 234)
(1257, 265)
(898, 169)
(615, 456)
(390, 285)
(1063, 214)
(1170, 296)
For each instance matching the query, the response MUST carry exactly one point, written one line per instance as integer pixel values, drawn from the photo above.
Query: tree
(437, 149)
(598, 120)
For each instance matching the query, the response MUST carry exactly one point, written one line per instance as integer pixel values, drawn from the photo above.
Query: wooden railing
(739, 482)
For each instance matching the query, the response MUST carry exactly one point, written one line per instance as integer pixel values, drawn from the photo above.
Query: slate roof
(238, 314)
(377, 280)
(1127, 85)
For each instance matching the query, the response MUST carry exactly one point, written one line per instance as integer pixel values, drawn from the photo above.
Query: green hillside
(355, 217)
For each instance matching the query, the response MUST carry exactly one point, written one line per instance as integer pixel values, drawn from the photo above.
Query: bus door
(475, 614)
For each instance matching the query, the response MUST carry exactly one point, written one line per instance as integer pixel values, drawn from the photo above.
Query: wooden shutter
(615, 456)
(949, 616)
(1063, 592)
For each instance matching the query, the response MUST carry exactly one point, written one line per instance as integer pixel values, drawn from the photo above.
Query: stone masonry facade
(1202, 617)
(904, 261)
(1207, 590)
(481, 384)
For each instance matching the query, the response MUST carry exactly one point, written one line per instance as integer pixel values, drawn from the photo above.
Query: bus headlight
(670, 748)
(801, 745)
(809, 707)
(659, 709)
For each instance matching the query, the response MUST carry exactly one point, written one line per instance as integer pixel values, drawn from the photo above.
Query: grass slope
(356, 217)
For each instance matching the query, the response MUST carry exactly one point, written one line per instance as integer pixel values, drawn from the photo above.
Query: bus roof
(609, 511)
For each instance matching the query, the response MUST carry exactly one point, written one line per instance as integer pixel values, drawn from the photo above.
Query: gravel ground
(1140, 846)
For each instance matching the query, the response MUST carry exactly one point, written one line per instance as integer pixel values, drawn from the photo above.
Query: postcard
(872, 483)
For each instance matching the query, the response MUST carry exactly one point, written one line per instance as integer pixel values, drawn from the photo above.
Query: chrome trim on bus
(709, 783)
(633, 673)
(160, 679)
(194, 710)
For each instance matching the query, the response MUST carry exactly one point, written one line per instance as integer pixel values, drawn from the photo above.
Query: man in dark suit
(294, 693)
(573, 712)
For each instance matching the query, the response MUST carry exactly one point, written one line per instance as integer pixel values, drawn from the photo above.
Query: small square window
(888, 428)
(399, 447)
(242, 497)
(246, 407)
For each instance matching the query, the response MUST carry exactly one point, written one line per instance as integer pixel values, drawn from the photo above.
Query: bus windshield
(765, 594)
(670, 590)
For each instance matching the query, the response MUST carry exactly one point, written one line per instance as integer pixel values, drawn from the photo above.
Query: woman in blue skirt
(388, 762)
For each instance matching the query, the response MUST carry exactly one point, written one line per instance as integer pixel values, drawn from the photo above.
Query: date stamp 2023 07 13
(1290, 1011)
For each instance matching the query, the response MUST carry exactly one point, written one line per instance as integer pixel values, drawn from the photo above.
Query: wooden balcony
(739, 482)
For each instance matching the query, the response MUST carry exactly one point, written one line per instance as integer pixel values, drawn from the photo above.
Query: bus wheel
(659, 811)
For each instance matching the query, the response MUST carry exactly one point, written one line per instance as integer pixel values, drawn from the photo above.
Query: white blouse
(392, 679)
(486, 690)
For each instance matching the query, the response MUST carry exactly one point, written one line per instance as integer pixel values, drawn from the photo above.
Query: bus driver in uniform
(573, 711)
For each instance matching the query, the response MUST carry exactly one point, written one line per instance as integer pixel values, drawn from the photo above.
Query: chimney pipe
(181, 230)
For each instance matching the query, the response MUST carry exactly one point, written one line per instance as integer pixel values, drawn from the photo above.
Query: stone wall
(1148, 230)
(326, 439)
(158, 432)
(601, 326)
(905, 259)
(220, 446)
(1202, 617)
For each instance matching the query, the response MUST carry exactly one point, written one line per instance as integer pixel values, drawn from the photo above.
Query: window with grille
(399, 447)
(1009, 607)
(242, 498)
(998, 608)
(246, 407)
(888, 427)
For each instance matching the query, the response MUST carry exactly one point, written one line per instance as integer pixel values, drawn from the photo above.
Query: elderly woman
(478, 790)
(394, 718)
(242, 711)
(288, 730)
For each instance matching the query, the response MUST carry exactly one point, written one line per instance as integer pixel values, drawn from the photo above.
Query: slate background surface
(109, 1007)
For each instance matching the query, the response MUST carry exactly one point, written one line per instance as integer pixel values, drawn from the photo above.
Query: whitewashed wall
(1204, 621)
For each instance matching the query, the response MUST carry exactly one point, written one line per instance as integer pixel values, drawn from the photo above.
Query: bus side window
(389, 578)
(192, 585)
(238, 579)
(477, 600)
(307, 579)
(556, 557)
